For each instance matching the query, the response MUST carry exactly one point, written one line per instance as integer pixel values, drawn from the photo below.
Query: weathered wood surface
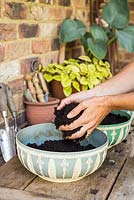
(17, 183)
(123, 188)
(95, 186)
(14, 175)
(13, 194)
(1, 161)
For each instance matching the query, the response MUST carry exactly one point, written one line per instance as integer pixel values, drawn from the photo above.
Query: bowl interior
(42, 132)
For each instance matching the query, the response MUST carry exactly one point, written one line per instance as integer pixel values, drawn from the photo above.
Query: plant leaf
(57, 77)
(83, 81)
(48, 77)
(80, 27)
(76, 85)
(71, 30)
(85, 58)
(126, 38)
(67, 91)
(84, 87)
(84, 41)
(116, 13)
(98, 48)
(98, 33)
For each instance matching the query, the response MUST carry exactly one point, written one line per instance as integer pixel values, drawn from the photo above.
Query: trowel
(7, 135)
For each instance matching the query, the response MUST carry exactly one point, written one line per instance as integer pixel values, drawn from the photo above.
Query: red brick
(64, 2)
(80, 3)
(18, 99)
(26, 63)
(55, 44)
(17, 85)
(15, 10)
(41, 46)
(132, 18)
(51, 57)
(52, 2)
(68, 54)
(2, 53)
(8, 31)
(68, 13)
(131, 6)
(76, 52)
(17, 49)
(28, 30)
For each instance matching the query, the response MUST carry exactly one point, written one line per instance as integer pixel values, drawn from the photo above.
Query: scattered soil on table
(114, 119)
(61, 118)
(61, 146)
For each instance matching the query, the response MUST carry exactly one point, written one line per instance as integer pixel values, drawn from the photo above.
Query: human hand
(76, 97)
(95, 110)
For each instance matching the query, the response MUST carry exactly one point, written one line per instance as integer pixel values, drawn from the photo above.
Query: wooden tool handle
(3, 98)
(43, 83)
(10, 100)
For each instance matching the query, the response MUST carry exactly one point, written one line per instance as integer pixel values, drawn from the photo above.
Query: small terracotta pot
(38, 113)
(57, 90)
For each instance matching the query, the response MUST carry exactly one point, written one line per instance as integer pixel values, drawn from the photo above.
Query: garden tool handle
(10, 100)
(3, 100)
(11, 106)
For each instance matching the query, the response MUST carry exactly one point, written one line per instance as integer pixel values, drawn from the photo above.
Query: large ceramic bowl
(116, 133)
(59, 166)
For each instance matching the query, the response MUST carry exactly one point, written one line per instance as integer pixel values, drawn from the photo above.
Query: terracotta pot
(38, 113)
(57, 90)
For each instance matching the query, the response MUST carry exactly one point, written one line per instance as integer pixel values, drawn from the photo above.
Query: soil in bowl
(112, 118)
(61, 146)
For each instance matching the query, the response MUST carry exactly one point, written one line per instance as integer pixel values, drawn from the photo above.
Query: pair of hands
(95, 110)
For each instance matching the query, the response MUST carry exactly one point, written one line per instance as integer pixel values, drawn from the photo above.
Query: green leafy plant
(82, 73)
(116, 16)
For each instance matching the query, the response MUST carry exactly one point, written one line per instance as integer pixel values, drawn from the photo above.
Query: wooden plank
(94, 187)
(13, 194)
(124, 187)
(14, 175)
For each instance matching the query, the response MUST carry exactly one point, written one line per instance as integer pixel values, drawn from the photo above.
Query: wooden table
(113, 181)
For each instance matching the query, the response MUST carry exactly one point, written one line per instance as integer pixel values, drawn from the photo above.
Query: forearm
(121, 102)
(121, 83)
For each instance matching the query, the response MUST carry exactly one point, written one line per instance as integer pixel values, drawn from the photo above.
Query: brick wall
(123, 57)
(29, 30)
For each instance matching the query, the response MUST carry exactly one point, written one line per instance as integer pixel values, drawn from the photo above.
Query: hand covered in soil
(95, 110)
(75, 98)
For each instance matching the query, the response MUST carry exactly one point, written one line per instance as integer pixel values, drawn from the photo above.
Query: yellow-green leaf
(67, 91)
(84, 87)
(83, 81)
(76, 85)
(48, 77)
(85, 58)
(57, 77)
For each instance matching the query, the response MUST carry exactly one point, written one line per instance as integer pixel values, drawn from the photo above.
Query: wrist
(108, 101)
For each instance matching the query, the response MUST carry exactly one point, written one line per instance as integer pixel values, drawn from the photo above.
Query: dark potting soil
(114, 119)
(61, 118)
(61, 146)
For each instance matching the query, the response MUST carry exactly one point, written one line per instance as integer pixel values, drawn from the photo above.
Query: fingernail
(69, 115)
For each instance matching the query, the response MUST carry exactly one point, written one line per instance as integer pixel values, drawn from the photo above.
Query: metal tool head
(7, 144)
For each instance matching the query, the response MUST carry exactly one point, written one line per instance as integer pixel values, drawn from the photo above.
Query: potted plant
(114, 26)
(74, 75)
(39, 106)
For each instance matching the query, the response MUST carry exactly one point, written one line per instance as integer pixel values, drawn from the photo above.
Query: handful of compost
(61, 119)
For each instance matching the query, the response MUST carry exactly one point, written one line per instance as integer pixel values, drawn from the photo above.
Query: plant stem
(112, 40)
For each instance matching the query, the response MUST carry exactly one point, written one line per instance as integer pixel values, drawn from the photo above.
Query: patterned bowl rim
(62, 154)
(123, 124)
